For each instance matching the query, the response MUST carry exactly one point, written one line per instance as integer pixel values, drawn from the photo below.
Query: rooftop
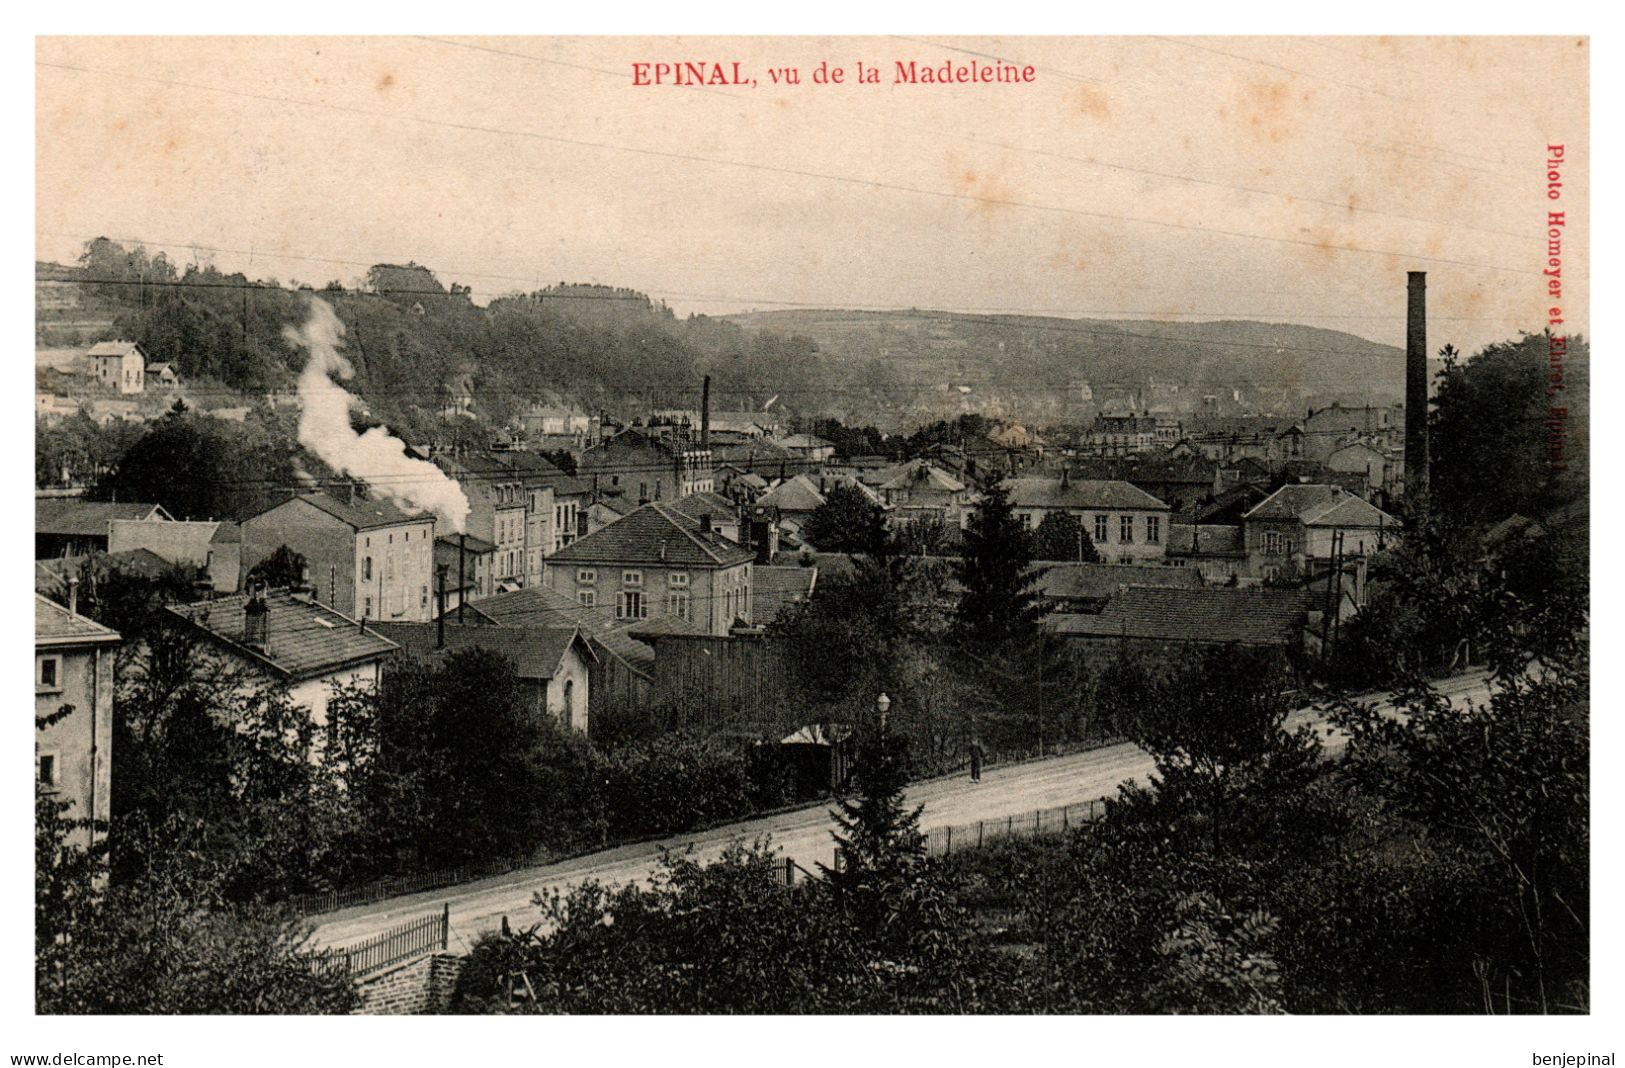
(1216, 615)
(1079, 493)
(796, 494)
(538, 606)
(654, 534)
(537, 652)
(361, 514)
(115, 348)
(306, 639)
(1318, 504)
(773, 589)
(54, 625)
(1100, 581)
(77, 517)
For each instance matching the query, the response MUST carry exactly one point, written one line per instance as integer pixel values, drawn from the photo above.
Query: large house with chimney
(366, 559)
(654, 563)
(284, 638)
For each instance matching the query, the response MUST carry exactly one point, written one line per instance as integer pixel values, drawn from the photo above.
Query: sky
(1282, 179)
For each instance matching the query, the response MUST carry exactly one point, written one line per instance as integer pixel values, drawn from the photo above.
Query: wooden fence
(412, 939)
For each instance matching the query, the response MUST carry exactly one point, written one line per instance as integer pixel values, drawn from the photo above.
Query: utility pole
(440, 616)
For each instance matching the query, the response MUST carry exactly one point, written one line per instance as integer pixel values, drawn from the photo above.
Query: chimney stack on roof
(73, 594)
(257, 620)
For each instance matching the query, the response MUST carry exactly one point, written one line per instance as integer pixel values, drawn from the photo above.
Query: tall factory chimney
(705, 413)
(1416, 387)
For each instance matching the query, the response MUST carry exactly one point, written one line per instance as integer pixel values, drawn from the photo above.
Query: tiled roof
(795, 494)
(536, 652)
(55, 625)
(1350, 511)
(1079, 493)
(363, 514)
(1321, 505)
(1292, 501)
(1100, 581)
(1217, 614)
(695, 505)
(773, 589)
(653, 534)
(306, 639)
(538, 606)
(80, 518)
(114, 348)
(52, 575)
(226, 533)
(910, 475)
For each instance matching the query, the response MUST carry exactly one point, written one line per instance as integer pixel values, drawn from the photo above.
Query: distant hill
(1033, 363)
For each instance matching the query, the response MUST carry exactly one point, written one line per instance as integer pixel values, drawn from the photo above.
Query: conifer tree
(999, 602)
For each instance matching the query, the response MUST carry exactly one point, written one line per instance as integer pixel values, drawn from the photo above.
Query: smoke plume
(376, 457)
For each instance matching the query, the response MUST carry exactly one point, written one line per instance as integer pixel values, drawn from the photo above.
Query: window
(1276, 544)
(1026, 519)
(48, 674)
(1153, 528)
(1125, 529)
(1100, 528)
(569, 701)
(47, 770)
(678, 578)
(587, 598)
(366, 569)
(631, 578)
(631, 605)
(678, 604)
(586, 575)
(424, 600)
(366, 608)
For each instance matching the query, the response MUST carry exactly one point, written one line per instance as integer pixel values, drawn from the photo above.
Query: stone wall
(412, 987)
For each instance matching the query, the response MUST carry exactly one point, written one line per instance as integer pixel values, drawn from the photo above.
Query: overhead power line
(764, 168)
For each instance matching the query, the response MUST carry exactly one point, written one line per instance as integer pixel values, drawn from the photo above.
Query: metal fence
(412, 939)
(410, 883)
(941, 841)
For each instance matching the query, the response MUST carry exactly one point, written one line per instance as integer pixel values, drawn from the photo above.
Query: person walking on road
(975, 760)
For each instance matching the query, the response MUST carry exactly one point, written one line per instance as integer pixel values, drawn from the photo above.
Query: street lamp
(882, 703)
